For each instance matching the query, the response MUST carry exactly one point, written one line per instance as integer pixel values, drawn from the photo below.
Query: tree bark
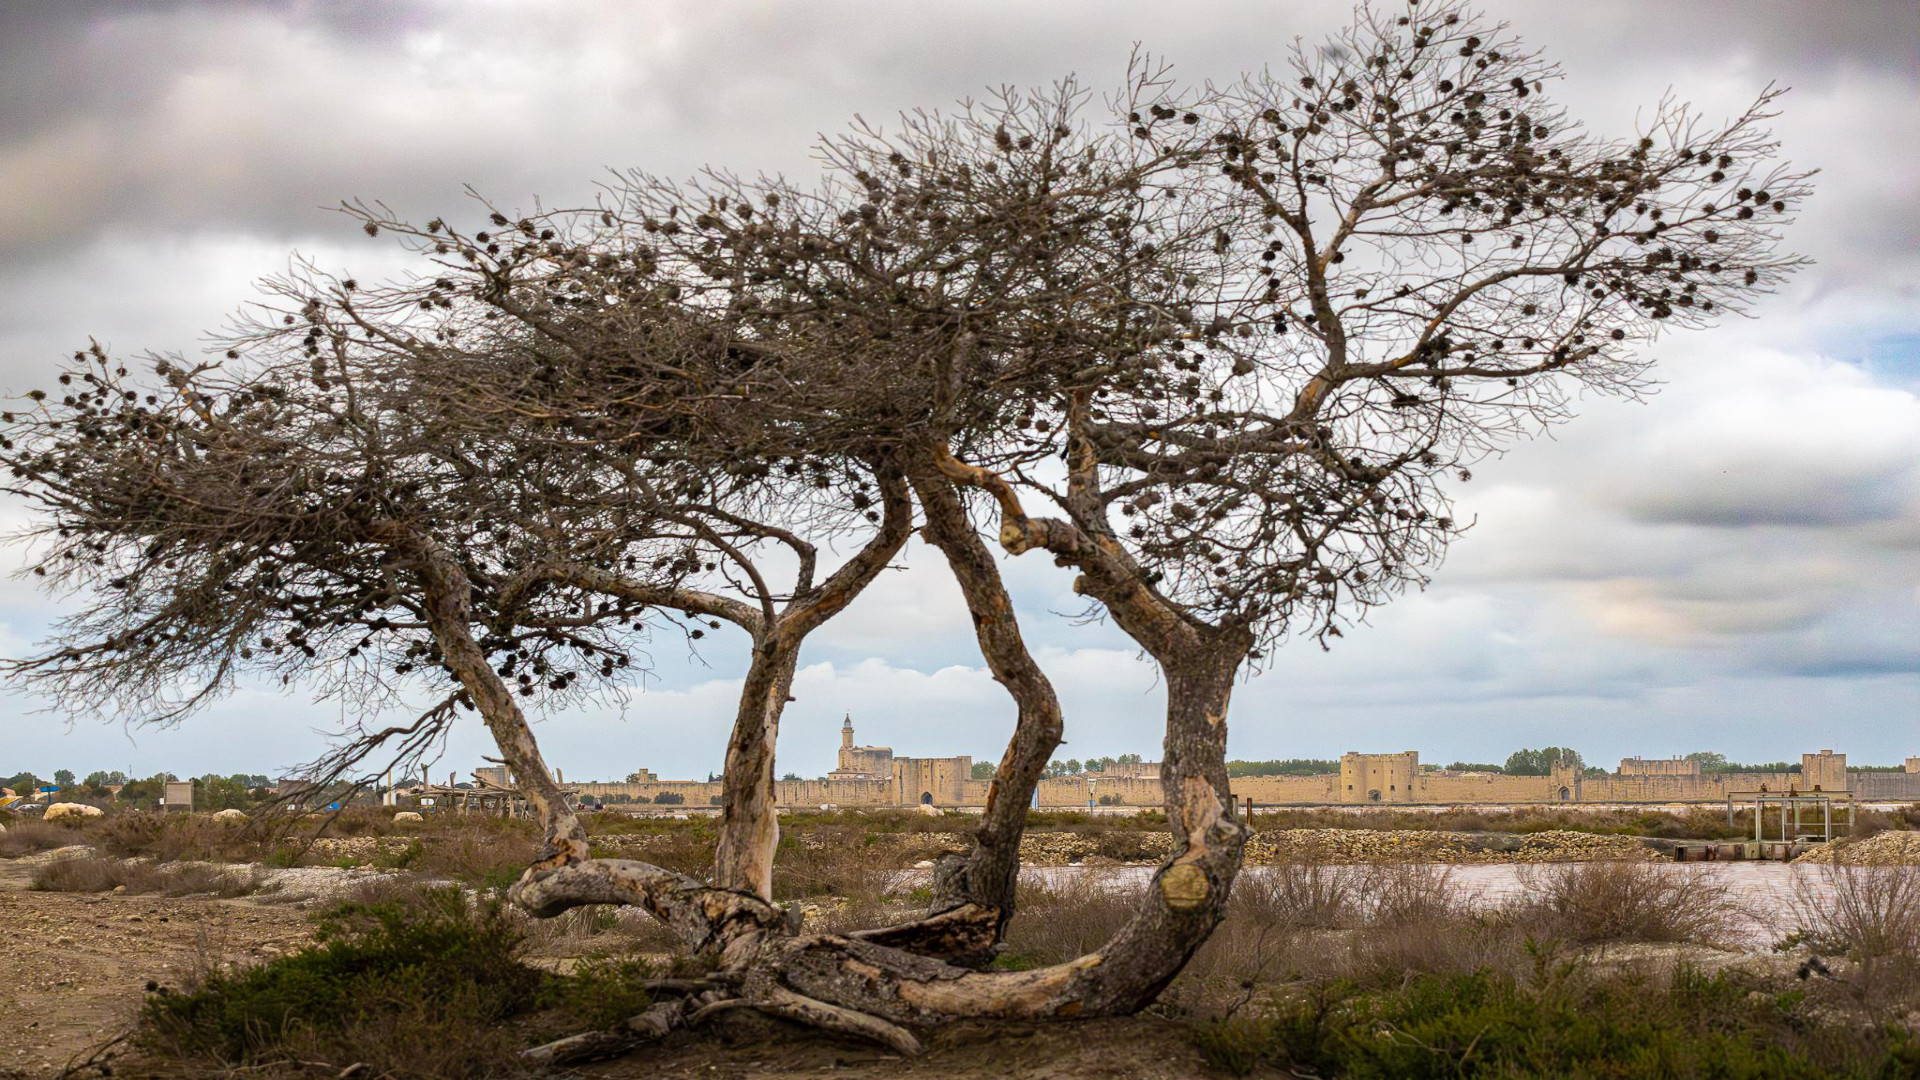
(974, 894)
(1188, 893)
(449, 610)
(749, 823)
(749, 826)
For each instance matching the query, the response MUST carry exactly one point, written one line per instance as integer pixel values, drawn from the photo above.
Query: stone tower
(1825, 770)
(846, 733)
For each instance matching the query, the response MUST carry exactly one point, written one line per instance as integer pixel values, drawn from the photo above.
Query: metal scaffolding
(1793, 807)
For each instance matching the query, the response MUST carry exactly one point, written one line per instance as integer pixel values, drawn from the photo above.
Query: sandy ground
(74, 968)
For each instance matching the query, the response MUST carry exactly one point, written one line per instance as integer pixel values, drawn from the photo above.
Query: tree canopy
(1220, 350)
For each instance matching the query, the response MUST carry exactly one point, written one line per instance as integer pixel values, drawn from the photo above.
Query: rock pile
(1356, 846)
(1900, 848)
(1561, 845)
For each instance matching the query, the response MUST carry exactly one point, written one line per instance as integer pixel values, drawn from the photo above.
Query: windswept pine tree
(1220, 351)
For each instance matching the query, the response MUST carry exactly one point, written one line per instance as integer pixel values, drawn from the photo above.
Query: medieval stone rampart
(1363, 779)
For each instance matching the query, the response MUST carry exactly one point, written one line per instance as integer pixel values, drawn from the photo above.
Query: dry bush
(1418, 921)
(92, 873)
(27, 837)
(1388, 953)
(360, 821)
(1409, 892)
(487, 858)
(1871, 916)
(849, 869)
(171, 837)
(1057, 920)
(1279, 922)
(1299, 896)
(1859, 911)
(1590, 903)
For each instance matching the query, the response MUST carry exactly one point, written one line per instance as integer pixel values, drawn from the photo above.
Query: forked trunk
(749, 828)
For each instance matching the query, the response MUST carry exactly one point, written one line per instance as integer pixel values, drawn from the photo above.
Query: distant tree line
(1069, 767)
(239, 791)
(1283, 767)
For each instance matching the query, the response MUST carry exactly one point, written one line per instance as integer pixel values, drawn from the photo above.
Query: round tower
(846, 733)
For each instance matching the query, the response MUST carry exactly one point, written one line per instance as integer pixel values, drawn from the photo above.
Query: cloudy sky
(1732, 564)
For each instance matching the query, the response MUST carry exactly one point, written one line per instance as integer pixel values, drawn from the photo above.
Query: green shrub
(375, 967)
(601, 993)
(1479, 1025)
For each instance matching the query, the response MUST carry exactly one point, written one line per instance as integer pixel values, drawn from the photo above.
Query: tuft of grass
(28, 837)
(92, 873)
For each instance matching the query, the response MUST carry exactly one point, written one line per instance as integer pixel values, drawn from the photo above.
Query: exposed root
(784, 1003)
(650, 1026)
(689, 987)
(966, 935)
(714, 1008)
(722, 923)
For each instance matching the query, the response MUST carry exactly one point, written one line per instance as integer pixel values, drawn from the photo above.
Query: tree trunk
(1177, 912)
(1188, 895)
(974, 893)
(749, 828)
(449, 611)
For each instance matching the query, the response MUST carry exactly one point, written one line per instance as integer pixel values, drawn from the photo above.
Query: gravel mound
(1900, 848)
(1560, 845)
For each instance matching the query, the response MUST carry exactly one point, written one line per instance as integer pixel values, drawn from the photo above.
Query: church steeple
(846, 733)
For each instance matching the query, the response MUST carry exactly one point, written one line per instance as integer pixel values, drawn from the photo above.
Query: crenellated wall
(1396, 778)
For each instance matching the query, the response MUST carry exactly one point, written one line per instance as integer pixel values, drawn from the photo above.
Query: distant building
(861, 762)
(930, 781)
(1379, 777)
(875, 776)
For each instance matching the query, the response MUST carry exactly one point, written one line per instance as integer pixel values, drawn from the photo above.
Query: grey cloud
(1667, 571)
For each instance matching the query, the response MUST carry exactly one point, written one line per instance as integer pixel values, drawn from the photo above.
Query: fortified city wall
(1362, 779)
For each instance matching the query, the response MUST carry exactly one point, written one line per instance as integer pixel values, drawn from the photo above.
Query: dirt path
(74, 968)
(1136, 1048)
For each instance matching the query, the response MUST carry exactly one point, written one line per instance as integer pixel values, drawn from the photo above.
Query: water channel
(1768, 895)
